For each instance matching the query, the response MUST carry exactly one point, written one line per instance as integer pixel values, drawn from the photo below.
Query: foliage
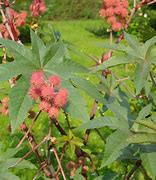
(144, 29)
(8, 162)
(116, 140)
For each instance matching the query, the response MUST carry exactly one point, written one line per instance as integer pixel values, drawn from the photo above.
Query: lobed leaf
(142, 138)
(88, 87)
(111, 122)
(19, 103)
(38, 47)
(76, 106)
(115, 143)
(141, 75)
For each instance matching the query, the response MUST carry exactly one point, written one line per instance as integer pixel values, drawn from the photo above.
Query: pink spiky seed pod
(54, 81)
(60, 99)
(117, 26)
(53, 112)
(47, 92)
(35, 93)
(37, 79)
(44, 106)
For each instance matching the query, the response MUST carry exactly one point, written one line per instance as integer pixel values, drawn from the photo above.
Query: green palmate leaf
(147, 123)
(134, 43)
(88, 87)
(113, 61)
(132, 40)
(76, 106)
(12, 69)
(9, 70)
(8, 153)
(111, 122)
(125, 49)
(120, 111)
(66, 69)
(142, 138)
(12, 162)
(114, 46)
(7, 162)
(20, 52)
(115, 143)
(38, 47)
(54, 54)
(148, 161)
(144, 112)
(19, 103)
(148, 46)
(8, 176)
(141, 75)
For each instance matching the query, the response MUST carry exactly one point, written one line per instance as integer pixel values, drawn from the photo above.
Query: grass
(75, 32)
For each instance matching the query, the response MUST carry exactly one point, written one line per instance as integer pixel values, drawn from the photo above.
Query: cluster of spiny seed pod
(115, 12)
(49, 93)
(37, 8)
(5, 104)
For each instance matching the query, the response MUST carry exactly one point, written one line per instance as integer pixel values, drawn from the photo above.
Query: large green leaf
(120, 111)
(144, 112)
(111, 122)
(148, 46)
(7, 162)
(124, 49)
(9, 70)
(114, 46)
(12, 69)
(76, 106)
(113, 61)
(12, 162)
(149, 161)
(19, 103)
(115, 143)
(38, 47)
(8, 175)
(20, 52)
(54, 54)
(147, 123)
(141, 75)
(8, 153)
(134, 43)
(89, 88)
(66, 69)
(132, 40)
(142, 138)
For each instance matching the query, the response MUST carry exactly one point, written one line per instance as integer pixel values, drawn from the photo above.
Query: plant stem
(59, 163)
(133, 170)
(92, 114)
(58, 126)
(153, 80)
(144, 172)
(67, 119)
(30, 128)
(33, 144)
(63, 152)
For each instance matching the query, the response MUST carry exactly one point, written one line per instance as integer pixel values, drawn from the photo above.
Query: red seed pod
(115, 12)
